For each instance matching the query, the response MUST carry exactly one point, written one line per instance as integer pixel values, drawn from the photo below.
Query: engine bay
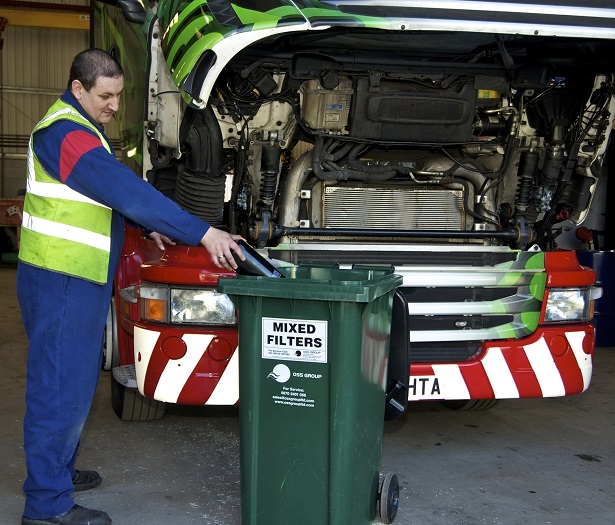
(372, 135)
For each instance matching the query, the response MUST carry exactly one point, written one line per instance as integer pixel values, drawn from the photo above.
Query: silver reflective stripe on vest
(63, 111)
(64, 231)
(58, 191)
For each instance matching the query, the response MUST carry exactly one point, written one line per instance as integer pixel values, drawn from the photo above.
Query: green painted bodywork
(527, 273)
(128, 43)
(191, 28)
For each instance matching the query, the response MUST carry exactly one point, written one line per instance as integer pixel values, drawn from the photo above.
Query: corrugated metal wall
(35, 66)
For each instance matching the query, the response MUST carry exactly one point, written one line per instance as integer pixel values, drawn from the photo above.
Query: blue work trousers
(64, 318)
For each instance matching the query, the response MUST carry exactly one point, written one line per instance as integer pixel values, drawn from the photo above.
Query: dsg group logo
(281, 373)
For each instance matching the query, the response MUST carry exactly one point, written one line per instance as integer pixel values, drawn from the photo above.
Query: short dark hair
(91, 64)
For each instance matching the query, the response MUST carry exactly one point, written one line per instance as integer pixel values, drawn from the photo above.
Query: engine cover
(404, 112)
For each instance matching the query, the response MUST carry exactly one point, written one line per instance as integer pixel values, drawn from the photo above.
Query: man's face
(102, 101)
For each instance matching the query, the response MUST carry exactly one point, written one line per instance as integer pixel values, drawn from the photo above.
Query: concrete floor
(524, 462)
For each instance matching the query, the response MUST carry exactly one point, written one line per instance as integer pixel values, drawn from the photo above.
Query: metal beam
(26, 4)
(45, 18)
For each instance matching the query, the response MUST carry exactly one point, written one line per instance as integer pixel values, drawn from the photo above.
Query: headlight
(201, 306)
(571, 304)
(185, 306)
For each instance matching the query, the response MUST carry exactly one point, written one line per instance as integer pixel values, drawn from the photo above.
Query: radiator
(393, 208)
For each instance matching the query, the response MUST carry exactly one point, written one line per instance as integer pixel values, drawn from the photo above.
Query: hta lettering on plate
(423, 387)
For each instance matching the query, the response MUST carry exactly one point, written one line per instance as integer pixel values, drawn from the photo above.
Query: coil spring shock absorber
(526, 174)
(262, 230)
(270, 168)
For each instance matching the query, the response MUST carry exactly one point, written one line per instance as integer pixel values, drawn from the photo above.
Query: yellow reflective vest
(63, 230)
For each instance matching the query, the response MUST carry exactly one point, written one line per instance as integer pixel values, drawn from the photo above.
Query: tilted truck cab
(450, 141)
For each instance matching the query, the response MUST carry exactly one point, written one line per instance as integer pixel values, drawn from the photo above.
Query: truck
(454, 142)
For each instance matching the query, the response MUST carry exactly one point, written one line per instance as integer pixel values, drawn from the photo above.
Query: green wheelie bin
(313, 351)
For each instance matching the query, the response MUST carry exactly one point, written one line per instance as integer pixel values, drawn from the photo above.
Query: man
(73, 226)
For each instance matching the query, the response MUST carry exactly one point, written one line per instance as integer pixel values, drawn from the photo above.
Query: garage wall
(35, 63)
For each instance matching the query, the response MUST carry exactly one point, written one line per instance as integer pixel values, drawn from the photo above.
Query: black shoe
(86, 480)
(78, 515)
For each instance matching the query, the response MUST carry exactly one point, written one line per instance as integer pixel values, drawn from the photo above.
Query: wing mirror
(132, 10)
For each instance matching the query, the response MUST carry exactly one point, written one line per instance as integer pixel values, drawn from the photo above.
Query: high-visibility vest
(63, 230)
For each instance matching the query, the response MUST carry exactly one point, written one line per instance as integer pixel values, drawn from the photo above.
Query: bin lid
(360, 284)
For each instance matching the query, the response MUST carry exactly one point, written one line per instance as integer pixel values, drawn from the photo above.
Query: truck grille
(451, 311)
(456, 298)
(455, 352)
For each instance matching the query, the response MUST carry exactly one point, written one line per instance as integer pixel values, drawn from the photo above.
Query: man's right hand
(222, 248)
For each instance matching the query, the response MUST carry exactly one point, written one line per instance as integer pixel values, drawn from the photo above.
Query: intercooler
(400, 208)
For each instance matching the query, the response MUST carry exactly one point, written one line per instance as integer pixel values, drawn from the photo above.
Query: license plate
(424, 387)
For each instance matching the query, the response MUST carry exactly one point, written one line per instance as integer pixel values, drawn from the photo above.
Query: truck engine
(418, 137)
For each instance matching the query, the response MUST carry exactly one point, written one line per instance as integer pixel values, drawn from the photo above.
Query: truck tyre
(130, 405)
(111, 356)
(471, 404)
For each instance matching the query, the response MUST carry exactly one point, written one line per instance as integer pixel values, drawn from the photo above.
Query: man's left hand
(160, 239)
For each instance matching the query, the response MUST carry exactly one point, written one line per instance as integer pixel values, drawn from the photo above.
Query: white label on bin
(294, 340)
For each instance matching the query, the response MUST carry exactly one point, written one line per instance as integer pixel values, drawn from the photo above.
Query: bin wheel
(389, 498)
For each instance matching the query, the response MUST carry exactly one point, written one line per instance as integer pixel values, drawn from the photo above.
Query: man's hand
(160, 239)
(222, 248)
